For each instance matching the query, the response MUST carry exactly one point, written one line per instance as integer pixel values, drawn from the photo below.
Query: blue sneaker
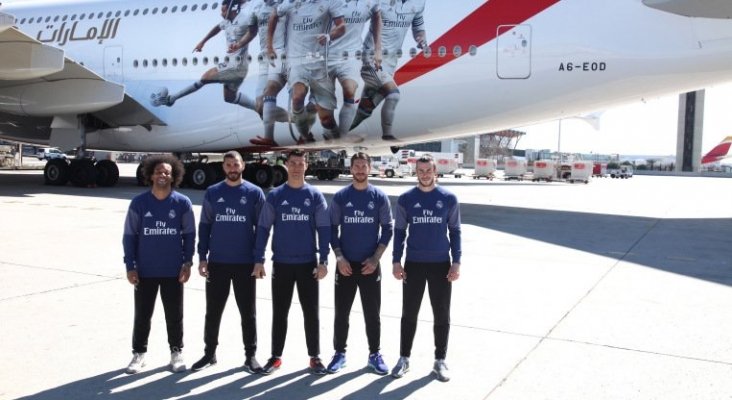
(377, 364)
(337, 363)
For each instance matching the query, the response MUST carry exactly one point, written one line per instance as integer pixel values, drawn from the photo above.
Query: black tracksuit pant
(369, 286)
(284, 279)
(434, 275)
(171, 293)
(218, 284)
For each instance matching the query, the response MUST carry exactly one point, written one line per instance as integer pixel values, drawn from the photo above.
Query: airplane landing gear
(56, 172)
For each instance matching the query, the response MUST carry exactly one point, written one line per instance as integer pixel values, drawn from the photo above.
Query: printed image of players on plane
(308, 45)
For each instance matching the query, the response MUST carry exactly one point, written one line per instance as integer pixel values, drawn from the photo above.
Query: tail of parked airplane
(719, 152)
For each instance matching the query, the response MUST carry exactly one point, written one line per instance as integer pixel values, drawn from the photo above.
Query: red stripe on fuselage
(477, 29)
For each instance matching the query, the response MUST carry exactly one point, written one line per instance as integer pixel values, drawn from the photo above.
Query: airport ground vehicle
(514, 170)
(544, 170)
(50, 153)
(581, 172)
(624, 172)
(327, 165)
(484, 168)
(599, 170)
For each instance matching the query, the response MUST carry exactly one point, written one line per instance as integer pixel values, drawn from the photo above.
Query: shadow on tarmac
(299, 385)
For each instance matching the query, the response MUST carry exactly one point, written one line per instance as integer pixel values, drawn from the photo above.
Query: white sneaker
(176, 361)
(401, 367)
(137, 363)
(440, 369)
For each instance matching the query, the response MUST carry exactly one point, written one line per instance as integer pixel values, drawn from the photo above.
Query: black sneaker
(206, 361)
(272, 365)
(317, 367)
(252, 366)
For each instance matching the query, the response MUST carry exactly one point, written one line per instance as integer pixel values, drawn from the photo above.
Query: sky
(641, 128)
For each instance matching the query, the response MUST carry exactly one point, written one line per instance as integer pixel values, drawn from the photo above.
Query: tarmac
(616, 289)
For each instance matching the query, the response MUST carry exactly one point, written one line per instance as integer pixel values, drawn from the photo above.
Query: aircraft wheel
(200, 175)
(140, 177)
(107, 173)
(279, 175)
(261, 175)
(56, 172)
(83, 173)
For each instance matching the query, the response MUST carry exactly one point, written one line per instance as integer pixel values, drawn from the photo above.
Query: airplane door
(113, 64)
(513, 60)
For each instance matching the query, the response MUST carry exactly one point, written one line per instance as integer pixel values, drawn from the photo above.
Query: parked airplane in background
(100, 74)
(719, 152)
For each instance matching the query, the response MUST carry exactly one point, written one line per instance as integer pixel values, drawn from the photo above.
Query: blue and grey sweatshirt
(296, 215)
(363, 218)
(229, 216)
(159, 235)
(430, 221)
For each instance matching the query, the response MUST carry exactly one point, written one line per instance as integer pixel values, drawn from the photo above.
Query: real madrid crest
(307, 202)
(439, 204)
(371, 205)
(171, 214)
(243, 200)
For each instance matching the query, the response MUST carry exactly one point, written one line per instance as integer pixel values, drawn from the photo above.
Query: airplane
(719, 152)
(86, 74)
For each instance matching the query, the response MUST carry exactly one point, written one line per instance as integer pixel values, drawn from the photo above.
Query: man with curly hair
(158, 242)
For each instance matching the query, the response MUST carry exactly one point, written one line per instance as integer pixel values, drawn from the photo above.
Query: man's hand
(454, 273)
(323, 39)
(198, 48)
(399, 271)
(320, 271)
(185, 272)
(369, 266)
(258, 271)
(132, 277)
(203, 268)
(344, 266)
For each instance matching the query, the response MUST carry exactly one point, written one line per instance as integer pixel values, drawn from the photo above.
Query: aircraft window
(30, 21)
(216, 60)
(441, 51)
(175, 62)
(100, 15)
(64, 18)
(155, 10)
(82, 16)
(184, 61)
(204, 6)
(164, 10)
(136, 12)
(473, 50)
(144, 12)
(165, 62)
(412, 52)
(358, 54)
(226, 59)
(249, 57)
(183, 9)
(214, 6)
(205, 60)
(174, 9)
(194, 61)
(48, 19)
(135, 63)
(73, 17)
(22, 21)
(155, 62)
(427, 52)
(399, 53)
(109, 14)
(194, 7)
(457, 51)
(144, 63)
(118, 13)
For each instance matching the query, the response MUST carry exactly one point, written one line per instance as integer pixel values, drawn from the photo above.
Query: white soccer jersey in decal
(356, 13)
(306, 19)
(397, 17)
(259, 14)
(234, 31)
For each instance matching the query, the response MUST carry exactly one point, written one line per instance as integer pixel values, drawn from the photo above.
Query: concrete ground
(618, 289)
